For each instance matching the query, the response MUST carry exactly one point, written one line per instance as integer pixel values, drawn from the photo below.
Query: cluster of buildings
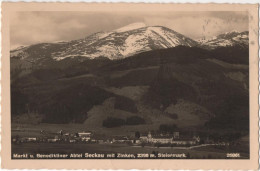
(89, 137)
(174, 138)
(56, 137)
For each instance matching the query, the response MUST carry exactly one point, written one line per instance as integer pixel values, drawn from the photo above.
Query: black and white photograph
(129, 85)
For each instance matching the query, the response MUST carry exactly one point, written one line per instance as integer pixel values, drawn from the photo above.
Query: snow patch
(171, 38)
(133, 43)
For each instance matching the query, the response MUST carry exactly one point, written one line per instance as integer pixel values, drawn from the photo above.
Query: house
(144, 138)
(31, 139)
(169, 139)
(85, 136)
(163, 139)
(56, 138)
(149, 138)
(186, 140)
(160, 139)
(137, 141)
(66, 134)
(183, 141)
(119, 139)
(93, 141)
(52, 140)
(72, 141)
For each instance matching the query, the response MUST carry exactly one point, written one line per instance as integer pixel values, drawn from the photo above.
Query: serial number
(233, 155)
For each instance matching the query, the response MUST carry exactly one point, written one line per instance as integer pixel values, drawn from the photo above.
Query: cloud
(198, 27)
(35, 27)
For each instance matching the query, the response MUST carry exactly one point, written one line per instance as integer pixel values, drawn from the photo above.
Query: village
(173, 139)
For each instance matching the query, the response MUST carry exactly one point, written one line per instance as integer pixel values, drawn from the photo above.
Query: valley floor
(208, 151)
(33, 130)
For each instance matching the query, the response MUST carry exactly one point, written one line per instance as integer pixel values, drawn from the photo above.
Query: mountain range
(147, 75)
(124, 42)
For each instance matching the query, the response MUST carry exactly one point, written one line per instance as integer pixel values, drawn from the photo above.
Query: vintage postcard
(129, 86)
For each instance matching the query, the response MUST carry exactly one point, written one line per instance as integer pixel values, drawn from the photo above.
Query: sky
(28, 28)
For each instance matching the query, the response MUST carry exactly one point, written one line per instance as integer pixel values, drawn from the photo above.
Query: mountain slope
(117, 44)
(164, 82)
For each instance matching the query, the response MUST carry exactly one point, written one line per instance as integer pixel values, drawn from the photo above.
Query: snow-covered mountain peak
(117, 44)
(129, 27)
(233, 31)
(226, 39)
